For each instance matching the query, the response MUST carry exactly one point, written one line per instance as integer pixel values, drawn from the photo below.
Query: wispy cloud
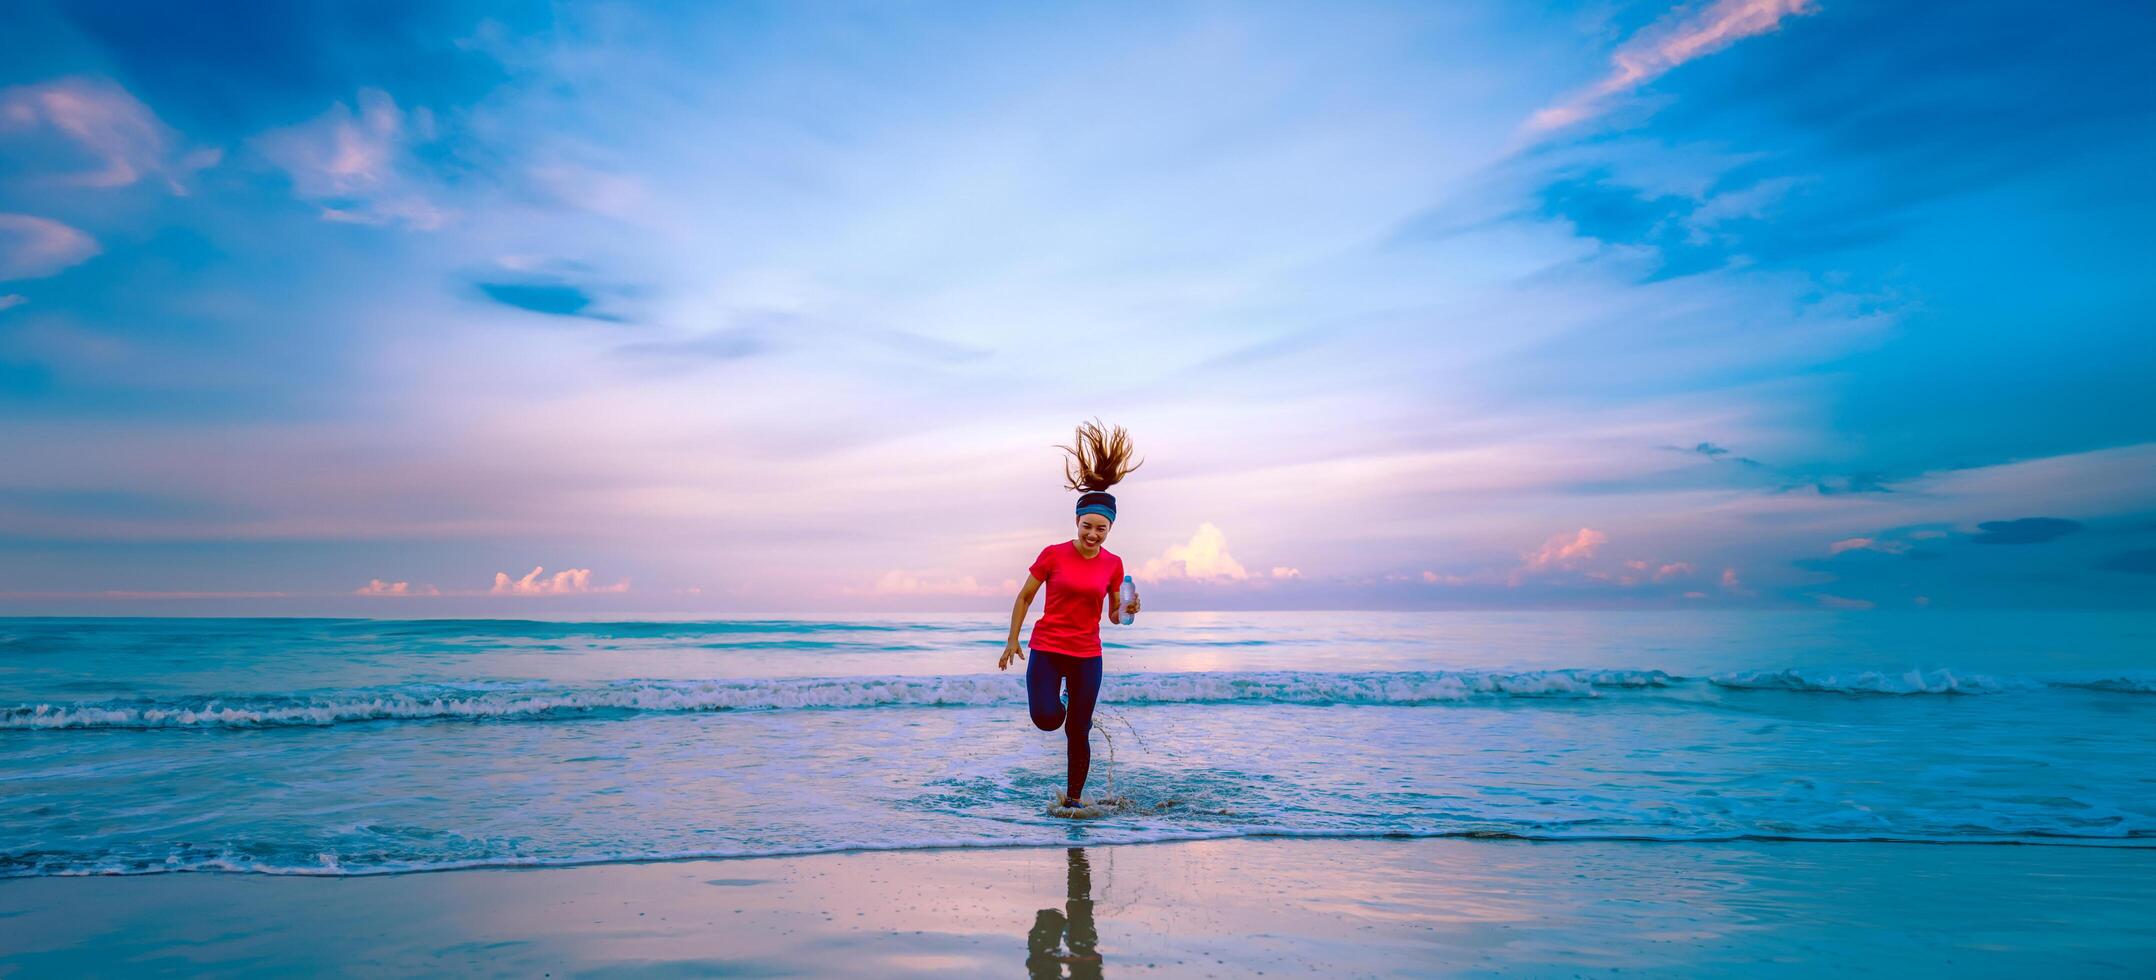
(1842, 602)
(1666, 45)
(592, 189)
(9, 301)
(123, 139)
(1639, 571)
(1867, 544)
(33, 248)
(353, 164)
(2026, 530)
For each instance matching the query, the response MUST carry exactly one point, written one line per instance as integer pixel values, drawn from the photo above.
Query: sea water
(319, 746)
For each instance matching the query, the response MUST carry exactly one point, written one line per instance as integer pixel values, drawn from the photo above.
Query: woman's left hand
(1131, 609)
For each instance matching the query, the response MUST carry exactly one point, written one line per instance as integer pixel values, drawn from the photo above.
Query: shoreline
(1240, 905)
(1470, 836)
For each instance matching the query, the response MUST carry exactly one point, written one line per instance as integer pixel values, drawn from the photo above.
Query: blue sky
(377, 309)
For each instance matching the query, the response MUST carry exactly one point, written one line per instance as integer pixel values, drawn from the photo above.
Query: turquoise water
(369, 746)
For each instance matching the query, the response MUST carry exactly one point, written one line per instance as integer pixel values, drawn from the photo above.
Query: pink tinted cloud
(351, 163)
(379, 587)
(1203, 558)
(33, 248)
(1638, 571)
(1560, 552)
(1569, 552)
(1676, 40)
(105, 122)
(573, 581)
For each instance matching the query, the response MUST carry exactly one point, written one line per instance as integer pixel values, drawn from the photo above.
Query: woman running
(1080, 575)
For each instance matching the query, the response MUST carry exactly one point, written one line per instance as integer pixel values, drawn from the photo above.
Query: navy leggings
(1045, 673)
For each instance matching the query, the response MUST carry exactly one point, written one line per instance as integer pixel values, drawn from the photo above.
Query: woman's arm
(1018, 621)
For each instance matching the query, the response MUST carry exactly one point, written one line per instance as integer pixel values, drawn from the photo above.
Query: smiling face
(1092, 530)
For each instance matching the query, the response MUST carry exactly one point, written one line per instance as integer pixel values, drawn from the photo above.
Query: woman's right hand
(1010, 650)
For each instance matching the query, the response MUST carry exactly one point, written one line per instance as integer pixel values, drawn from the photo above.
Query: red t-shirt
(1078, 589)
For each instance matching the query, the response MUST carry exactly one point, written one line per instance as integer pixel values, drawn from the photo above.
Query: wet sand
(1276, 907)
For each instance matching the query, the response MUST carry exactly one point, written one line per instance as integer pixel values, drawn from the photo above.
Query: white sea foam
(1393, 688)
(434, 703)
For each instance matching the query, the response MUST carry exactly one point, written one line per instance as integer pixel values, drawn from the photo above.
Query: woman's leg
(1042, 682)
(1084, 678)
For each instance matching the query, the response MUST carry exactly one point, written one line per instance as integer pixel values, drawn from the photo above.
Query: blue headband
(1097, 502)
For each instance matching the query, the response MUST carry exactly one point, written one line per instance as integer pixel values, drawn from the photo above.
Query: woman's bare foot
(1064, 806)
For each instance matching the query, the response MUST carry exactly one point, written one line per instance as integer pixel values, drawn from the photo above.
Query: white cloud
(1204, 558)
(10, 301)
(33, 248)
(572, 581)
(1283, 571)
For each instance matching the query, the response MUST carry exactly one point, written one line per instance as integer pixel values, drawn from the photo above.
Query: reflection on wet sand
(1066, 937)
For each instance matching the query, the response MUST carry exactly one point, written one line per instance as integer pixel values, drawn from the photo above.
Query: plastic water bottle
(1123, 598)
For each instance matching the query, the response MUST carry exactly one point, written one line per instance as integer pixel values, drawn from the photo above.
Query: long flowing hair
(1099, 457)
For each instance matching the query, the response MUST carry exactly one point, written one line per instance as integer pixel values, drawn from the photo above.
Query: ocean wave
(512, 702)
(431, 702)
(1939, 681)
(1914, 681)
(2119, 684)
